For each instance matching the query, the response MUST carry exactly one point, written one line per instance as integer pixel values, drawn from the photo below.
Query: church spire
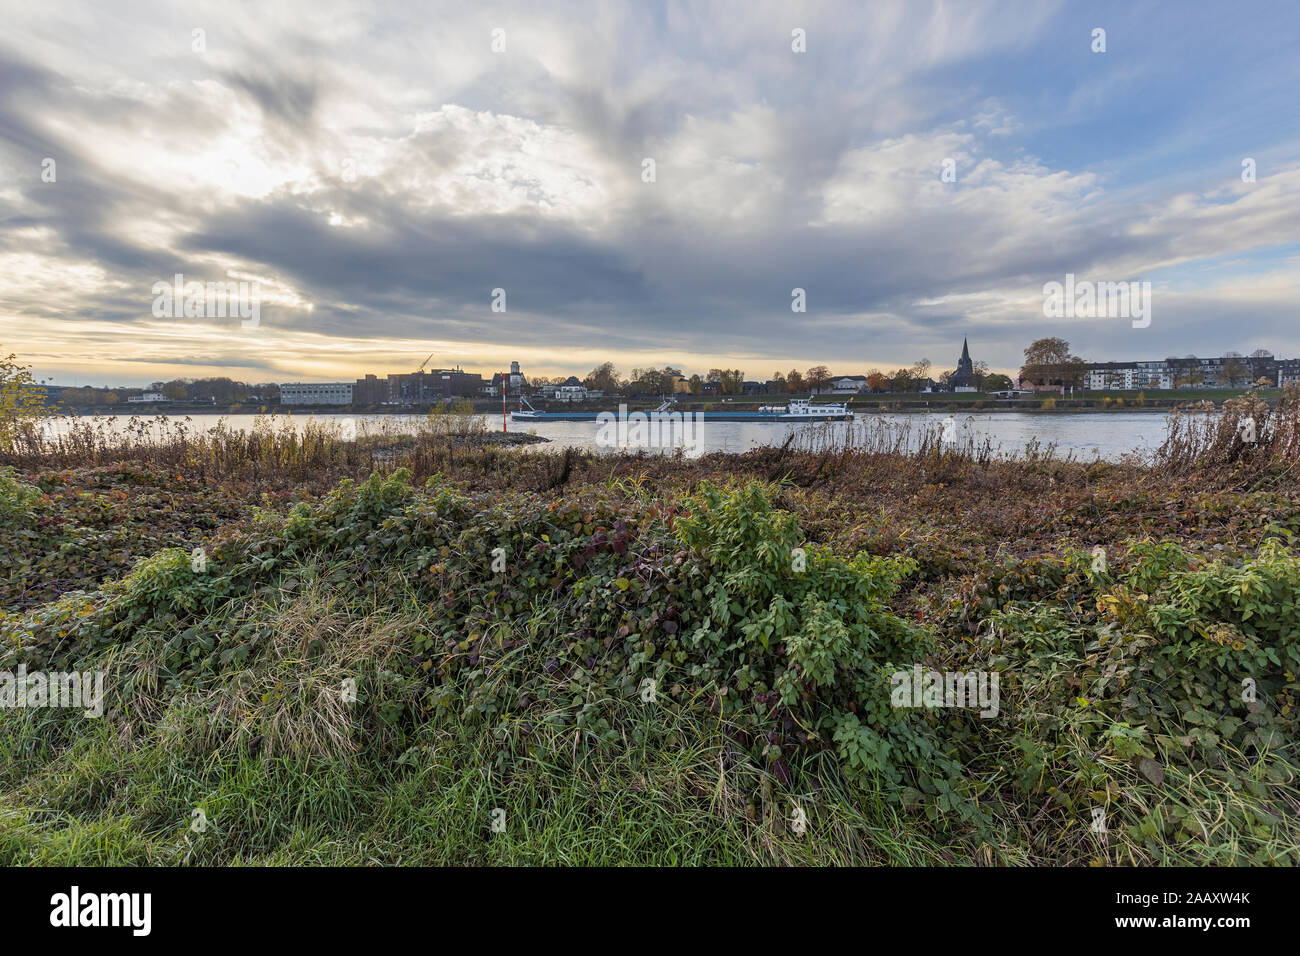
(961, 378)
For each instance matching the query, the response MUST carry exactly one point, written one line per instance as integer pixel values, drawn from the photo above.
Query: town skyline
(1047, 362)
(566, 371)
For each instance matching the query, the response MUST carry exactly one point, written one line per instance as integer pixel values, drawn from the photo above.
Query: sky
(380, 169)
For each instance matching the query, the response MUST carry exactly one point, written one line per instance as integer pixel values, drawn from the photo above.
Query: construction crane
(424, 363)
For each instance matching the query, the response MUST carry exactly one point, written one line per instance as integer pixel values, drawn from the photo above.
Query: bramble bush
(1162, 662)
(703, 597)
(544, 618)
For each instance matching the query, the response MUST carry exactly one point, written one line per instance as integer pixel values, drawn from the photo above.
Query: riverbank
(396, 447)
(617, 658)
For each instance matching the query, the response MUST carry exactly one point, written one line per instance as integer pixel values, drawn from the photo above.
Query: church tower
(965, 368)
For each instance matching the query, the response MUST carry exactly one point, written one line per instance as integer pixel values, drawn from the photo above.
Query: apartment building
(1288, 371)
(1108, 376)
(1226, 371)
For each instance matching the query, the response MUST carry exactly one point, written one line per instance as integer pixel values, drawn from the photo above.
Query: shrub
(16, 498)
(22, 401)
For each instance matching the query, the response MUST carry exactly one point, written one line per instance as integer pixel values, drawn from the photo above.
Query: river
(1086, 436)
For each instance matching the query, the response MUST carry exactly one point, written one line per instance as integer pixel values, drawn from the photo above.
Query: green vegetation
(652, 660)
(22, 400)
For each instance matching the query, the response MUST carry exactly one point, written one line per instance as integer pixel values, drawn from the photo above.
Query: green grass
(479, 692)
(649, 803)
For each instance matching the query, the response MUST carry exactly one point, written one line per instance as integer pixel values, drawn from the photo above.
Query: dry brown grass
(292, 702)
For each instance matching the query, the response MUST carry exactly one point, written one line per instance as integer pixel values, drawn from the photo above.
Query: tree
(22, 400)
(819, 376)
(996, 383)
(1233, 370)
(731, 381)
(656, 381)
(794, 381)
(222, 389)
(176, 391)
(604, 377)
(876, 380)
(1049, 362)
(1050, 351)
(77, 397)
(697, 384)
(1075, 371)
(902, 380)
(777, 382)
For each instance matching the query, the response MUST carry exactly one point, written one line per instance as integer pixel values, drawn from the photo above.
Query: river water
(1107, 436)
(1085, 436)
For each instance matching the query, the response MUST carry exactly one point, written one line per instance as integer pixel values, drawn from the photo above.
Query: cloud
(382, 172)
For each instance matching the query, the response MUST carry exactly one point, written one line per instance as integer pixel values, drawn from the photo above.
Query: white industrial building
(316, 393)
